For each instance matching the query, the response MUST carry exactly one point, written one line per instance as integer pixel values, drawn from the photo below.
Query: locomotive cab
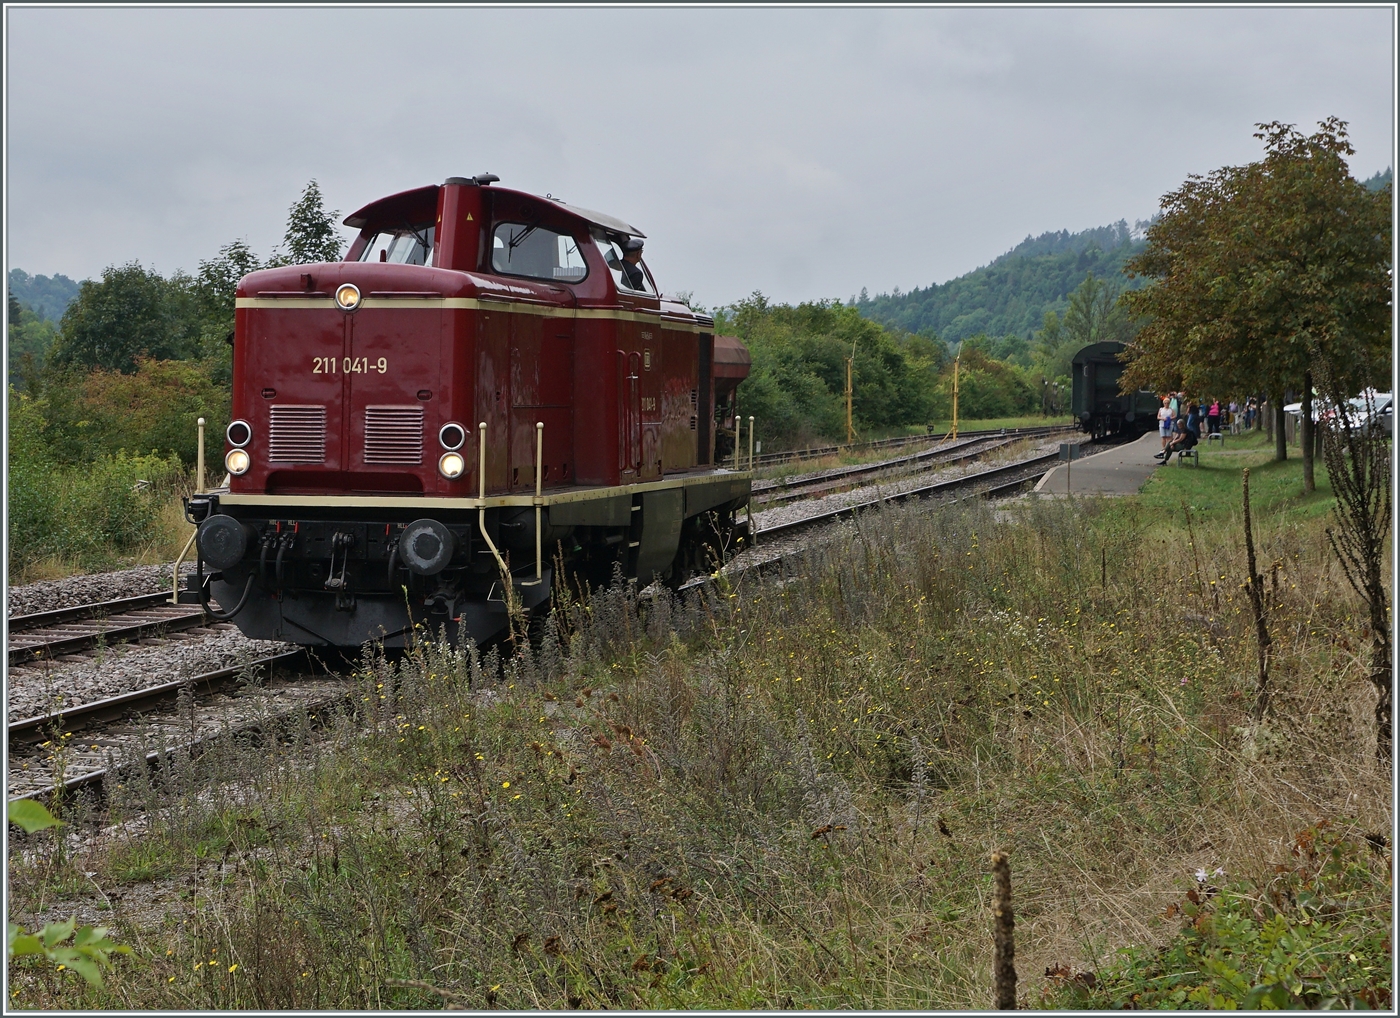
(488, 385)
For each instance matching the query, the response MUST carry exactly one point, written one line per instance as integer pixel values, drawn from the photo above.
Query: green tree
(1260, 268)
(311, 233)
(1095, 315)
(31, 339)
(797, 382)
(215, 287)
(133, 312)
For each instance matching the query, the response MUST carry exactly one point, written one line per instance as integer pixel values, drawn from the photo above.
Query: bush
(1315, 934)
(987, 389)
(90, 513)
(154, 410)
(797, 384)
(89, 414)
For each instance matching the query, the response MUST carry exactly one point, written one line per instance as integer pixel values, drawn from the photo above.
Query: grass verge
(779, 795)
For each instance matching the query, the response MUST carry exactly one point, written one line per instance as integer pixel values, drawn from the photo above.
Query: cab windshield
(404, 245)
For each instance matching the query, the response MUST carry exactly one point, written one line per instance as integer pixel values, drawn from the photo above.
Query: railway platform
(1117, 470)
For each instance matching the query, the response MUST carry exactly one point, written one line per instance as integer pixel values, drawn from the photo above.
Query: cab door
(640, 383)
(650, 388)
(541, 388)
(629, 415)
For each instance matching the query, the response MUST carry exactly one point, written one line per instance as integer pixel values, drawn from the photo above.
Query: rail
(899, 441)
(81, 627)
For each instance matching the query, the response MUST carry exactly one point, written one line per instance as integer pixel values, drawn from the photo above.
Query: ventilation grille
(298, 434)
(394, 434)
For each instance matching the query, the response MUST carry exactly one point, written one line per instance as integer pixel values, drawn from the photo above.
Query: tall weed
(780, 794)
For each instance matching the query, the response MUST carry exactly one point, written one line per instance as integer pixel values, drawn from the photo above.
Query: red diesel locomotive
(489, 385)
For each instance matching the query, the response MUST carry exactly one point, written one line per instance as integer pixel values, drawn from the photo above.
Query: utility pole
(850, 363)
(956, 361)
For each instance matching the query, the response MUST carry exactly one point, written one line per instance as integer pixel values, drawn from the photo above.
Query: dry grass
(783, 795)
(168, 533)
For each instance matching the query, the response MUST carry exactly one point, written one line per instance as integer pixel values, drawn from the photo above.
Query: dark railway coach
(488, 387)
(1098, 407)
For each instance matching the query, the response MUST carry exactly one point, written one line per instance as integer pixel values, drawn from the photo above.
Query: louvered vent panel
(394, 434)
(298, 434)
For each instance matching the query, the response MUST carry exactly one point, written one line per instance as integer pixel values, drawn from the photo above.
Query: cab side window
(518, 249)
(402, 246)
(611, 250)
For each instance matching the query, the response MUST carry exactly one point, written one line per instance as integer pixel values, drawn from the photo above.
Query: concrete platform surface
(1118, 470)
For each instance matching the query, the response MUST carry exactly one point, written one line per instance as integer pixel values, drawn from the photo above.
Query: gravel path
(49, 595)
(33, 690)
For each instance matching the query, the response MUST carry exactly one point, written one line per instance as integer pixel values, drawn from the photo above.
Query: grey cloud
(806, 153)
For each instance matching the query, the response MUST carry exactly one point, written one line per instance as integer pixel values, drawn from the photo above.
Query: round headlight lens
(452, 436)
(347, 295)
(239, 434)
(237, 462)
(451, 465)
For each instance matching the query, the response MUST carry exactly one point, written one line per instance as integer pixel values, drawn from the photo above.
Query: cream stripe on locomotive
(476, 304)
(433, 502)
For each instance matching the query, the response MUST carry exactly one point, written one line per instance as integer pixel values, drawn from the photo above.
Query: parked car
(1372, 409)
(1381, 410)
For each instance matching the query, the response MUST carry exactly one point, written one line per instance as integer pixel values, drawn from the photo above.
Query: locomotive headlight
(239, 434)
(347, 295)
(452, 436)
(451, 465)
(237, 462)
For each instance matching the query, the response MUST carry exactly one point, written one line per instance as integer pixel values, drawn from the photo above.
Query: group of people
(1180, 422)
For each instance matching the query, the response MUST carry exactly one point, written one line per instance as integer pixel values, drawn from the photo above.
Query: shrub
(155, 409)
(90, 513)
(1315, 934)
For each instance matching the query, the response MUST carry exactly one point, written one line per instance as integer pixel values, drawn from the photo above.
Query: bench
(1193, 453)
(1217, 435)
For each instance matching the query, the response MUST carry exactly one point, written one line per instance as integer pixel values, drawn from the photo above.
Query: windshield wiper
(519, 238)
(422, 238)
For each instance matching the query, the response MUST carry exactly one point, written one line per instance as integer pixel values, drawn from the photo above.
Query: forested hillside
(1378, 181)
(46, 296)
(1011, 296)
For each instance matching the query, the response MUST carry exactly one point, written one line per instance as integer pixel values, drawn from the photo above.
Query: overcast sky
(804, 153)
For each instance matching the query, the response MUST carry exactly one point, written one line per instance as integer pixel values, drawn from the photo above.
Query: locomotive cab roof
(419, 205)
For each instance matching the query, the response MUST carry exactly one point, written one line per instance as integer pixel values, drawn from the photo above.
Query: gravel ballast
(71, 591)
(35, 690)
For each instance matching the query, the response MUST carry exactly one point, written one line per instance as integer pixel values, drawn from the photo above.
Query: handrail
(539, 499)
(481, 519)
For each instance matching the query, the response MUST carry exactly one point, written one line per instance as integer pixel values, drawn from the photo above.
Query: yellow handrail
(481, 519)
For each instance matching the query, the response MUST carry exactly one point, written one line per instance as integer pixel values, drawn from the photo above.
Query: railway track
(998, 481)
(899, 442)
(51, 634)
(842, 478)
(83, 746)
